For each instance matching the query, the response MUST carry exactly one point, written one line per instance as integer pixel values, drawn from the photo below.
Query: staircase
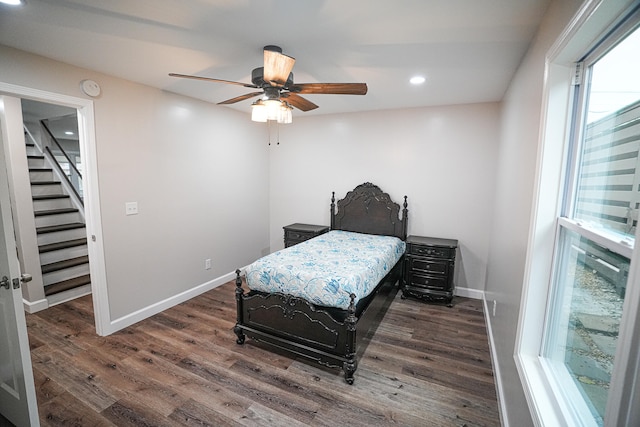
(60, 229)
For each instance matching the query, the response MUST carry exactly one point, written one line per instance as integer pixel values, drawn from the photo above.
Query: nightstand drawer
(428, 282)
(430, 251)
(297, 233)
(432, 266)
(298, 236)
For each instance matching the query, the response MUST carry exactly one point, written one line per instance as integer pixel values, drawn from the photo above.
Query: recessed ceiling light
(417, 80)
(68, 132)
(12, 2)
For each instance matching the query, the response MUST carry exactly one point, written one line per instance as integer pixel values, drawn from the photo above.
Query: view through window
(596, 230)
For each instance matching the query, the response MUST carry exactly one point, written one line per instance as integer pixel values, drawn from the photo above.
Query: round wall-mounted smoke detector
(90, 87)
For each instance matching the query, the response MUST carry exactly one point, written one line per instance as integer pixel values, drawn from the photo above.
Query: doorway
(90, 189)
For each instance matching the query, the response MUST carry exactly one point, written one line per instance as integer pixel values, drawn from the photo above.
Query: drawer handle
(426, 251)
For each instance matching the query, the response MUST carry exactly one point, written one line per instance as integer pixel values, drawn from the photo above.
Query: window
(596, 228)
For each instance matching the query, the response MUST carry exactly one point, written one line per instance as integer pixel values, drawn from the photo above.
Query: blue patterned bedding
(325, 270)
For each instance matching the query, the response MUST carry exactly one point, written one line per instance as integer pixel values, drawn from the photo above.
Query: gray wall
(199, 173)
(442, 158)
(516, 169)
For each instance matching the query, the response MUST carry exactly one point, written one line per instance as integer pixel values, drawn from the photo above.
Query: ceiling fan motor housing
(257, 78)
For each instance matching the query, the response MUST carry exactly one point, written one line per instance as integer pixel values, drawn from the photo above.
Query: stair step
(61, 232)
(39, 175)
(49, 182)
(36, 161)
(50, 196)
(48, 202)
(47, 188)
(62, 245)
(34, 156)
(55, 211)
(55, 214)
(67, 284)
(61, 227)
(55, 266)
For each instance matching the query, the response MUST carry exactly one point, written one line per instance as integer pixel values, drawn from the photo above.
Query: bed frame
(332, 337)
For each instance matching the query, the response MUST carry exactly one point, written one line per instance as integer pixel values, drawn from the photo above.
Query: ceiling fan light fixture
(285, 116)
(273, 108)
(259, 112)
(264, 110)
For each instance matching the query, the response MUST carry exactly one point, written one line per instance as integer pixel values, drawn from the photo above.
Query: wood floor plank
(426, 365)
(68, 410)
(194, 413)
(288, 404)
(76, 380)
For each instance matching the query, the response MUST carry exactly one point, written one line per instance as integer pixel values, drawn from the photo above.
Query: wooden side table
(429, 268)
(296, 233)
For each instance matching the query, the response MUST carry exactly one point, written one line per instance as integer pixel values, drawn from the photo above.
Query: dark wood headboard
(367, 209)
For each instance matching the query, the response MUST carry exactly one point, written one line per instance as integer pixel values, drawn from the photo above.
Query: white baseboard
(504, 422)
(137, 316)
(469, 293)
(35, 306)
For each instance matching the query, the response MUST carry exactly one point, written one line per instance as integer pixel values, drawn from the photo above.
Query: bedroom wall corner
(442, 158)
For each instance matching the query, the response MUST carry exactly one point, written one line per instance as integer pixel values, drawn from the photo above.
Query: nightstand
(296, 233)
(429, 266)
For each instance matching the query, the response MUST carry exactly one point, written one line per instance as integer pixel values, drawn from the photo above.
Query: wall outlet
(131, 208)
(207, 264)
(495, 304)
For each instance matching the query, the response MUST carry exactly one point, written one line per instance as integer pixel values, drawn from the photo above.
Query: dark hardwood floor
(427, 365)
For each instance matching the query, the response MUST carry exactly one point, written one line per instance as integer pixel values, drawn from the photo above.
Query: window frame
(541, 385)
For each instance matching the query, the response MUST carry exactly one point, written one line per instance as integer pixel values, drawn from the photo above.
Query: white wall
(442, 158)
(516, 167)
(199, 173)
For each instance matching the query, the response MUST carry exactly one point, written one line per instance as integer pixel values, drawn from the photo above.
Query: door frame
(93, 219)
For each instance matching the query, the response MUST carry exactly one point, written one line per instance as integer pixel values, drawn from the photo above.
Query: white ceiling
(467, 49)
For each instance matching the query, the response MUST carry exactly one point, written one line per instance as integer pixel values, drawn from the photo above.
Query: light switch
(131, 208)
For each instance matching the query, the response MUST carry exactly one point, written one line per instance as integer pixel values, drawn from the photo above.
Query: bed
(333, 333)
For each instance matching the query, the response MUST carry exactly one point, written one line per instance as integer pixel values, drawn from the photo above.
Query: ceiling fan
(275, 81)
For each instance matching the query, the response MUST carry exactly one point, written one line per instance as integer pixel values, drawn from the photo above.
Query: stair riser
(42, 221)
(35, 176)
(64, 274)
(42, 190)
(35, 163)
(43, 205)
(32, 151)
(61, 236)
(63, 254)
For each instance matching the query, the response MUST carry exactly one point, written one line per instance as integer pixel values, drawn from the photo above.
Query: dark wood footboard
(331, 337)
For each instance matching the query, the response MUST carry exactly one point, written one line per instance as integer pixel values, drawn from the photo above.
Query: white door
(17, 391)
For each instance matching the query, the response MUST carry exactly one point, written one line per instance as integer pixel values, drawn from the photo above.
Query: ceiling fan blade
(277, 67)
(240, 98)
(330, 88)
(209, 79)
(299, 102)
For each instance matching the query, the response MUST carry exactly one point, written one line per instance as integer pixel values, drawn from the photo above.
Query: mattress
(325, 270)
